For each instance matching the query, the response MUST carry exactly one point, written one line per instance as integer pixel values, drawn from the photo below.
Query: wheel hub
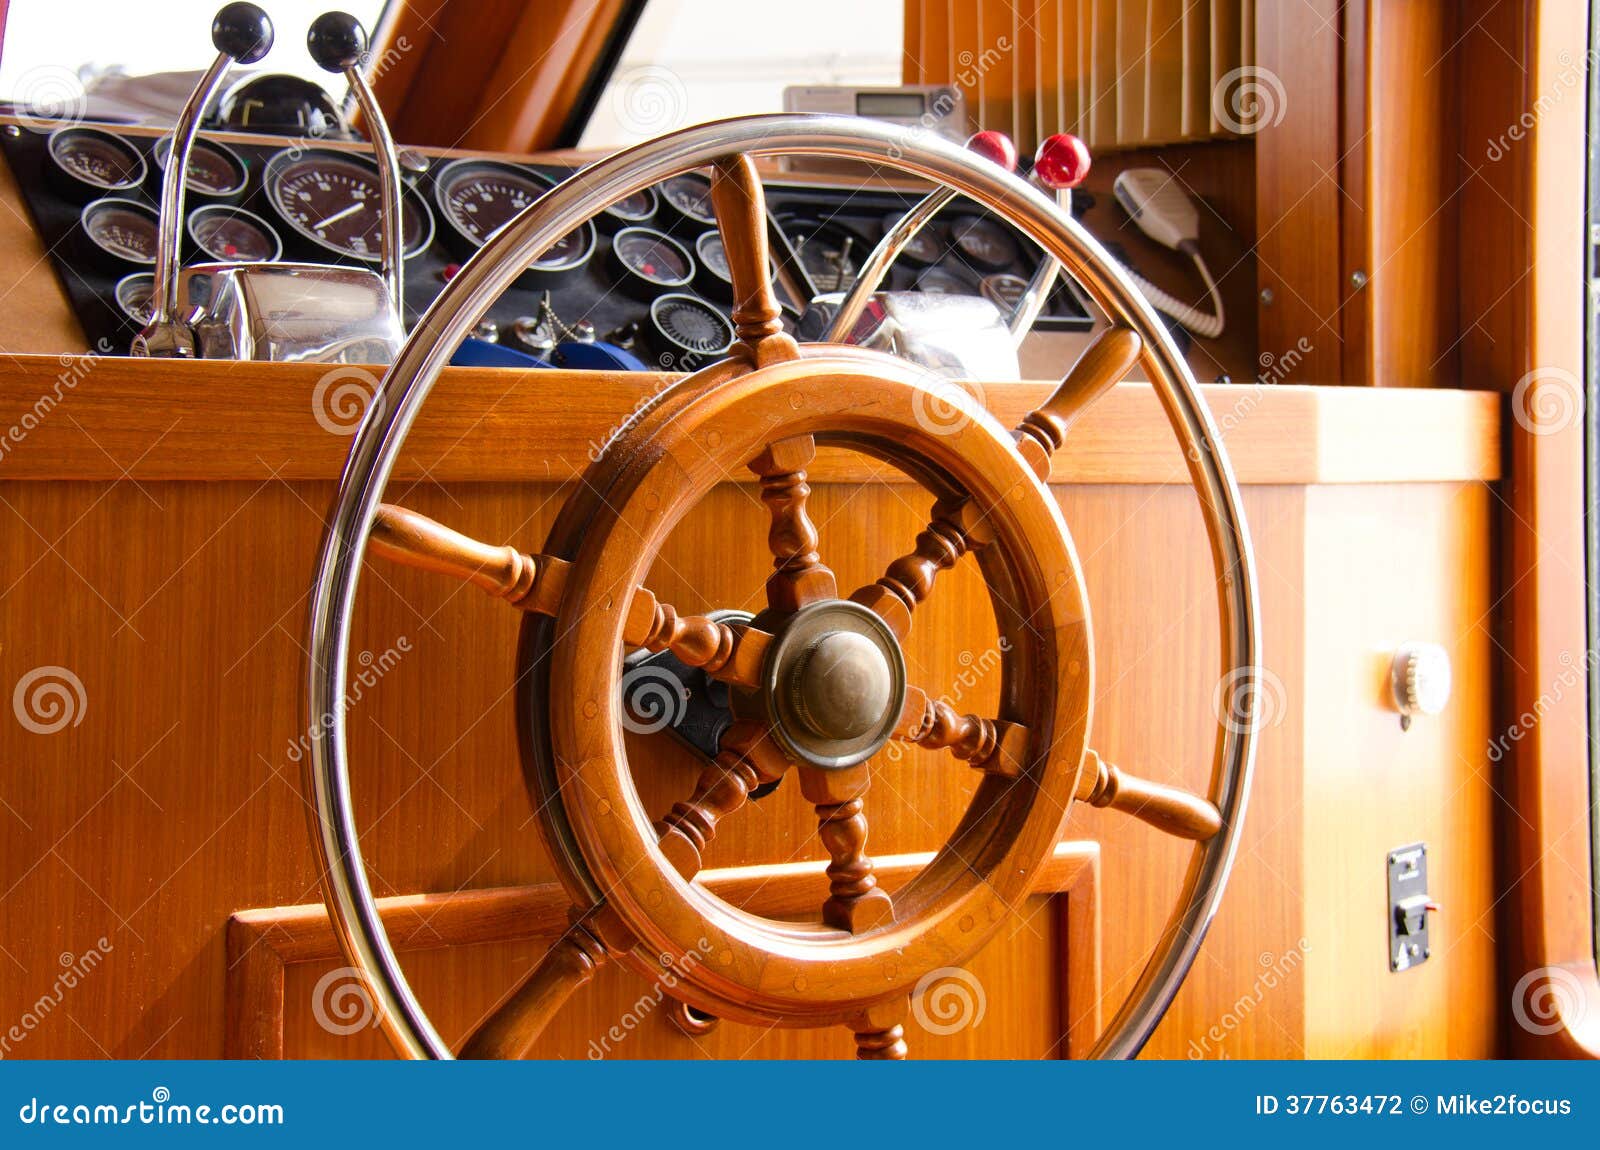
(834, 684)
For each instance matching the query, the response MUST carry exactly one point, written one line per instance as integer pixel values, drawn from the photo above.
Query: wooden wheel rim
(741, 965)
(348, 894)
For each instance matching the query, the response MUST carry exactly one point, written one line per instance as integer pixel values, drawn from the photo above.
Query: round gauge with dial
(713, 277)
(477, 198)
(830, 253)
(133, 294)
(119, 234)
(945, 281)
(331, 201)
(685, 333)
(89, 162)
(216, 172)
(630, 210)
(925, 247)
(689, 195)
(984, 243)
(232, 235)
(1004, 290)
(647, 262)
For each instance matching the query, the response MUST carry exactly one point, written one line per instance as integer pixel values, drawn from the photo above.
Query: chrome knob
(1419, 680)
(239, 32)
(842, 686)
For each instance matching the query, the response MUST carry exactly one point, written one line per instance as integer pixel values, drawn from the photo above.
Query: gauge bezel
(958, 227)
(99, 250)
(272, 175)
(709, 221)
(450, 174)
(81, 188)
(122, 286)
(618, 219)
(789, 222)
(929, 233)
(993, 294)
(232, 210)
(641, 285)
(684, 357)
(160, 150)
(712, 282)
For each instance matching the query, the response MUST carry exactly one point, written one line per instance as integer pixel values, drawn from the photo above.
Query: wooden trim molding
(261, 943)
(1553, 993)
(100, 418)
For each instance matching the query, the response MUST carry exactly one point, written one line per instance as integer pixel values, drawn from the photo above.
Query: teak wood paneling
(174, 801)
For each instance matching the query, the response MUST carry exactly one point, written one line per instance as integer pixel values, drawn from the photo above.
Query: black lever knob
(337, 41)
(242, 31)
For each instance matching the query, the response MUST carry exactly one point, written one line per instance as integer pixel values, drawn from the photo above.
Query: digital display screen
(890, 105)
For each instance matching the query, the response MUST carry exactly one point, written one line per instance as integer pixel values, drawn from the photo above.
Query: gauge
(984, 243)
(232, 235)
(925, 247)
(89, 162)
(634, 209)
(1004, 290)
(133, 294)
(686, 333)
(480, 197)
(713, 277)
(690, 196)
(831, 254)
(945, 281)
(646, 262)
(121, 233)
(332, 200)
(216, 172)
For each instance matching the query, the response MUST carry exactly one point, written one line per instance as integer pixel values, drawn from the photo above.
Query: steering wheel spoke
(994, 746)
(534, 583)
(748, 759)
(1043, 431)
(855, 901)
(516, 1023)
(741, 209)
(799, 576)
(1169, 809)
(955, 528)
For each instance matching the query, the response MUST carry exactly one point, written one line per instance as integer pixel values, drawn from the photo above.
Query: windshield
(56, 64)
(689, 61)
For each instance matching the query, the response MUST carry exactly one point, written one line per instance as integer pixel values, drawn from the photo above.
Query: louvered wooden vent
(1119, 73)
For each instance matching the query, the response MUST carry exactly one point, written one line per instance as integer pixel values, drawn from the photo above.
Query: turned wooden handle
(417, 541)
(517, 1023)
(1177, 812)
(1098, 369)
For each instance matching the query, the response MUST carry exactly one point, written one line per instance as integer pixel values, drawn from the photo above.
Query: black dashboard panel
(828, 231)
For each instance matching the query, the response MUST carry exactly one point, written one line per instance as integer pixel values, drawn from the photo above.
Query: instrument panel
(647, 274)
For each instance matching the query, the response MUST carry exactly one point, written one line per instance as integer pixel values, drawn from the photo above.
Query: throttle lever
(1061, 164)
(338, 43)
(242, 33)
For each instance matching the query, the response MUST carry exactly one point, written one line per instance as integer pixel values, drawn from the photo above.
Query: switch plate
(1409, 905)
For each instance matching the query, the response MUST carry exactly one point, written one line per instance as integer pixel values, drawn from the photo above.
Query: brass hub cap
(835, 683)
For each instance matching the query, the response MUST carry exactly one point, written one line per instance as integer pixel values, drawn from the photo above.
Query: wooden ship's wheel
(817, 680)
